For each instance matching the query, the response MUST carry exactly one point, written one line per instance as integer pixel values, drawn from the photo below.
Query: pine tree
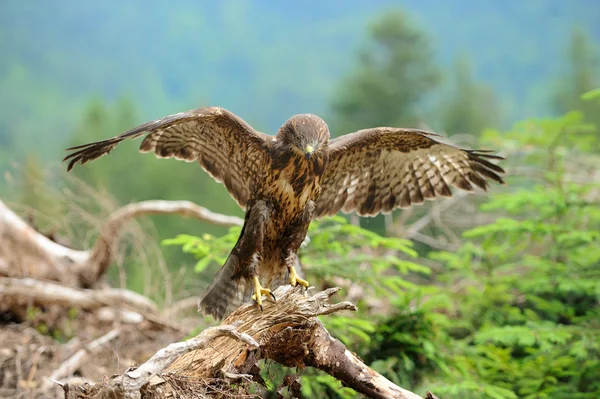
(582, 74)
(470, 106)
(394, 73)
(521, 295)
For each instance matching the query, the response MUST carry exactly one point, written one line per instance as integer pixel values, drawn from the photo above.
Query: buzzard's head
(306, 135)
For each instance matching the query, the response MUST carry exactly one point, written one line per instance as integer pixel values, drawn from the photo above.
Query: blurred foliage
(580, 75)
(395, 71)
(513, 313)
(261, 59)
(523, 291)
(469, 106)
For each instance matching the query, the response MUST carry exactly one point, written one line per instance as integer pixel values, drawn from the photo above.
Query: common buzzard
(285, 181)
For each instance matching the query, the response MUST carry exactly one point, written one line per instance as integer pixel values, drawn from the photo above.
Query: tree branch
(101, 253)
(47, 292)
(287, 332)
(429, 217)
(24, 252)
(135, 379)
(111, 303)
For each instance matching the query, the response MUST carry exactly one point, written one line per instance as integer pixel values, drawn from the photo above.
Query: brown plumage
(381, 169)
(286, 180)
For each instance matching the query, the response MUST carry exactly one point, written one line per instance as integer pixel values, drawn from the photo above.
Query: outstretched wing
(381, 169)
(227, 147)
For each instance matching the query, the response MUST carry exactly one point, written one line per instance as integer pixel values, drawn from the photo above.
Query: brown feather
(284, 186)
(407, 165)
(229, 149)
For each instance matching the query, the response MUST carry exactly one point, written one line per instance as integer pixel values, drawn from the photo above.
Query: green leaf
(591, 95)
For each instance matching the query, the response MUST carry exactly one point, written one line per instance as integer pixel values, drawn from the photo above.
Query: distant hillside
(262, 59)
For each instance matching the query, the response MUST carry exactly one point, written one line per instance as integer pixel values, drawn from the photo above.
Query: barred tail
(225, 293)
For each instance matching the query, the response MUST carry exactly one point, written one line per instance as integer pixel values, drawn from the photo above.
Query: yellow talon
(295, 279)
(259, 291)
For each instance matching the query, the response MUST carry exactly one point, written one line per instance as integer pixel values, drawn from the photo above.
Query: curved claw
(259, 291)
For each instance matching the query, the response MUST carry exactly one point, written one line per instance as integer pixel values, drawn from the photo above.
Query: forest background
(495, 296)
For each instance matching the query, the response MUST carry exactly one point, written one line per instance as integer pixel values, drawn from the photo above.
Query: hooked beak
(308, 151)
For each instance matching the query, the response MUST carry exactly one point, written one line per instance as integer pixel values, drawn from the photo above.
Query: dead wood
(29, 359)
(207, 366)
(48, 293)
(24, 252)
(74, 362)
(100, 255)
(110, 304)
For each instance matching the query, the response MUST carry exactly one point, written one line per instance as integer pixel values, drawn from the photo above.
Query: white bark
(24, 252)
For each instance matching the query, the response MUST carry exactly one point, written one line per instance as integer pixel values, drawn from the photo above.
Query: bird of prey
(287, 180)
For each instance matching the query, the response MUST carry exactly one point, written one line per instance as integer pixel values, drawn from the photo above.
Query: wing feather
(378, 170)
(229, 149)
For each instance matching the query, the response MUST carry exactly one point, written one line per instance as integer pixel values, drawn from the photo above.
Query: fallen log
(111, 304)
(223, 361)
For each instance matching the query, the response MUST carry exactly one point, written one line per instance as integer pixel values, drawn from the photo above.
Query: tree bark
(287, 332)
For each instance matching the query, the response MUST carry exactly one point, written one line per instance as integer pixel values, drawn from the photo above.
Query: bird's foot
(259, 291)
(295, 279)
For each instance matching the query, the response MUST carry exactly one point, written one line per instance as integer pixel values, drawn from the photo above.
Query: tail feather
(225, 293)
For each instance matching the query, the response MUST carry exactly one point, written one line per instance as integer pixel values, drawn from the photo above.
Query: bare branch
(101, 253)
(112, 304)
(24, 252)
(330, 355)
(68, 367)
(289, 332)
(434, 242)
(426, 219)
(185, 304)
(46, 292)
